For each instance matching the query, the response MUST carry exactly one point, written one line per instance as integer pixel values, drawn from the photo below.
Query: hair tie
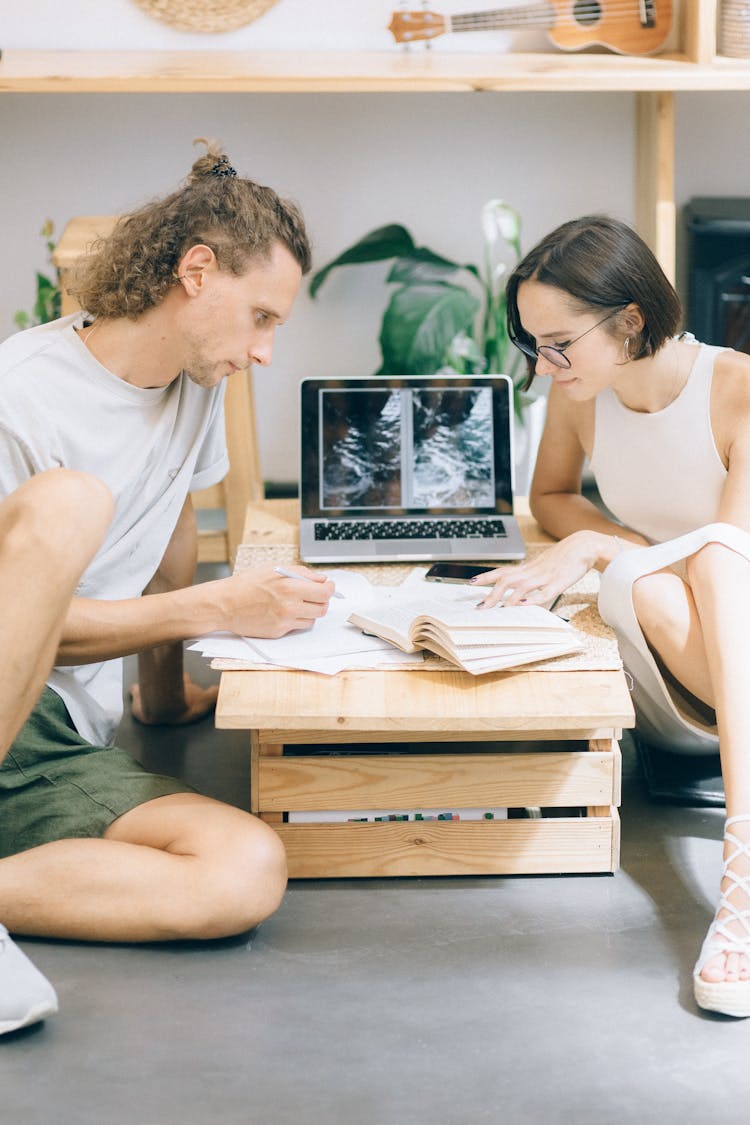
(223, 168)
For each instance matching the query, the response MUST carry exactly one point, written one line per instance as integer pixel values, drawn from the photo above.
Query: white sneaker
(25, 995)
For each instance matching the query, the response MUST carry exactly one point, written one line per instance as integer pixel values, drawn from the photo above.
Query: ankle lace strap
(736, 819)
(737, 938)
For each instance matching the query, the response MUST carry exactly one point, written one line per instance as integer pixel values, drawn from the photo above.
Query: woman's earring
(626, 349)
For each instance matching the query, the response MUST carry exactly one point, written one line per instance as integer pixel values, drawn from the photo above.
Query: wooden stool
(243, 483)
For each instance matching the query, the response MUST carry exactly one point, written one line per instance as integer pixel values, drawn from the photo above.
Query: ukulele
(630, 27)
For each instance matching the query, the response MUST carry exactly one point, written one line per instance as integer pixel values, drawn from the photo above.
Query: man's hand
(263, 603)
(194, 704)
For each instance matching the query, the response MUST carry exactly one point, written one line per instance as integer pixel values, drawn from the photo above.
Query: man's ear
(192, 266)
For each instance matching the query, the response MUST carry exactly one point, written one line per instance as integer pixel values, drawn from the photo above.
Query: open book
(478, 640)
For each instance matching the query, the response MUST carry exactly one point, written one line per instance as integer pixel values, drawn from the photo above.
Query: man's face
(231, 324)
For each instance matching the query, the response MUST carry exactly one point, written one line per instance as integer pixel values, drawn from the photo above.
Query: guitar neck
(502, 19)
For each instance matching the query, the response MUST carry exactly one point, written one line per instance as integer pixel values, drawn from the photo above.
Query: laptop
(408, 469)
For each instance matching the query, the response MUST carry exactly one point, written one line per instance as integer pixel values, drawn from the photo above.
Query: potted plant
(48, 294)
(446, 315)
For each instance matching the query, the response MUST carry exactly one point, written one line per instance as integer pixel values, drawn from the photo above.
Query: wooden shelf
(34, 71)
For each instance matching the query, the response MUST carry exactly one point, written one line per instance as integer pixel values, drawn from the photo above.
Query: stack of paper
(329, 647)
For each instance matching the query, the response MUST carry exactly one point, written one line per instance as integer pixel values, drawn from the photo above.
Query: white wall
(353, 161)
(287, 25)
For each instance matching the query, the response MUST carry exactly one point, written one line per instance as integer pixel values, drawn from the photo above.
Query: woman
(665, 422)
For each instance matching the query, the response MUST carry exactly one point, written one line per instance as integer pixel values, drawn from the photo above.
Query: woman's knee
(652, 599)
(716, 565)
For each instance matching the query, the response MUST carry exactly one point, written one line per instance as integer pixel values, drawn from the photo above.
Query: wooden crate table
(509, 739)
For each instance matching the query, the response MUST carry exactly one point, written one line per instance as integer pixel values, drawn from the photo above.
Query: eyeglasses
(557, 355)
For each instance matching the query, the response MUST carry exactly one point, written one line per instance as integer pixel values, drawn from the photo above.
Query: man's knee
(78, 497)
(243, 885)
(58, 509)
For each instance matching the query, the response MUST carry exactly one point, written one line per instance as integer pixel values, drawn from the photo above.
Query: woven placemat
(599, 652)
(205, 15)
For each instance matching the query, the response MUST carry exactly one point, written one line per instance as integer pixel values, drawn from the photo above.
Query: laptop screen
(385, 446)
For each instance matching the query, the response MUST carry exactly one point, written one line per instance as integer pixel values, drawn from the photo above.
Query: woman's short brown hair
(133, 269)
(601, 264)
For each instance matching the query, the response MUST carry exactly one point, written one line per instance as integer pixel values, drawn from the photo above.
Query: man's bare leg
(50, 528)
(181, 866)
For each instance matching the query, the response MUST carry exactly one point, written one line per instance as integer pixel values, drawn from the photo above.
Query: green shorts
(56, 786)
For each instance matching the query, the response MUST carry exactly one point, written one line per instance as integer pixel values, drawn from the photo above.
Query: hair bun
(214, 162)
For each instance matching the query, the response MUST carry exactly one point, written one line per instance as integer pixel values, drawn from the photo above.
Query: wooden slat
(424, 702)
(270, 752)
(326, 737)
(212, 497)
(512, 847)
(407, 781)
(655, 201)
(611, 746)
(212, 547)
(95, 71)
(699, 30)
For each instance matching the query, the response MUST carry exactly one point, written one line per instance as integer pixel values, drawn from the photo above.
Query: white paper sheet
(329, 647)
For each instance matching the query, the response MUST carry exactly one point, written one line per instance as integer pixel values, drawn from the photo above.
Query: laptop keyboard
(411, 529)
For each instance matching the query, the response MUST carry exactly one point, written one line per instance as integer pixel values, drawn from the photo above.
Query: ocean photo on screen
(452, 448)
(361, 439)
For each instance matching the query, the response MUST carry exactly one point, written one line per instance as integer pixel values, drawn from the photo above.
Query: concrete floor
(549, 999)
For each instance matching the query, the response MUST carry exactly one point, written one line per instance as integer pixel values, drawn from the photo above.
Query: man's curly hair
(134, 268)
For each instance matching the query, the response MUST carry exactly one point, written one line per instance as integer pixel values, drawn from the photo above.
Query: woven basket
(205, 15)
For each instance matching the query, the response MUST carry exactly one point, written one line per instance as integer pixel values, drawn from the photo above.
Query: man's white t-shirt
(60, 407)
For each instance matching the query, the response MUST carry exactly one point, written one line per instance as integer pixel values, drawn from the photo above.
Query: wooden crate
(509, 739)
(507, 778)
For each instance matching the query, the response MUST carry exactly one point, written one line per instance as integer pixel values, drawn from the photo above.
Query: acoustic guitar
(630, 27)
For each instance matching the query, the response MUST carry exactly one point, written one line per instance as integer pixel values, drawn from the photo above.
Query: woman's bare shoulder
(730, 400)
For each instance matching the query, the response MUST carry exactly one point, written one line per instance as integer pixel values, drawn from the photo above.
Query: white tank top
(661, 473)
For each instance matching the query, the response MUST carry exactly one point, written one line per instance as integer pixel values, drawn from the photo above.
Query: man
(187, 290)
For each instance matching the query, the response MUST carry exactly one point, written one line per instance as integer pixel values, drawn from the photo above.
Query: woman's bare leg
(701, 632)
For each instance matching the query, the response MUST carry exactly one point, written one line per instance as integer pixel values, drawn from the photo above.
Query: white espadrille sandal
(730, 934)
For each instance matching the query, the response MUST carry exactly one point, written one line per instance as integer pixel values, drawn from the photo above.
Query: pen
(290, 574)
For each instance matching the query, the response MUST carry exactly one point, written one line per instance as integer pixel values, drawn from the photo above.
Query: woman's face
(549, 317)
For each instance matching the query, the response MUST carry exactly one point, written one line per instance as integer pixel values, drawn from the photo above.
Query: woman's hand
(539, 581)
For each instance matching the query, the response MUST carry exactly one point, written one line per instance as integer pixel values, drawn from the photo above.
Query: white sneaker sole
(34, 1015)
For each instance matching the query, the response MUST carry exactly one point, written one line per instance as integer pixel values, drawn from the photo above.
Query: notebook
(407, 469)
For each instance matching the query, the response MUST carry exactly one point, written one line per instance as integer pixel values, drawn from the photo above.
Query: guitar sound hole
(587, 12)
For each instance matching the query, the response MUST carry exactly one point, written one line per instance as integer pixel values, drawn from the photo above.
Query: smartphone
(455, 572)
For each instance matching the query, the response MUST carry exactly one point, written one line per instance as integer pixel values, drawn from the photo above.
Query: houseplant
(445, 315)
(48, 294)
(441, 313)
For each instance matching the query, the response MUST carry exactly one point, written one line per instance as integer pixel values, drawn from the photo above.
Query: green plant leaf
(423, 265)
(419, 325)
(391, 241)
(46, 291)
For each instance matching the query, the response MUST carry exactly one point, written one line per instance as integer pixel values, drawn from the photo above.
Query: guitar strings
(546, 15)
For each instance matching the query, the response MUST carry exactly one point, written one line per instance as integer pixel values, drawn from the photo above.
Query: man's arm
(164, 692)
(258, 602)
